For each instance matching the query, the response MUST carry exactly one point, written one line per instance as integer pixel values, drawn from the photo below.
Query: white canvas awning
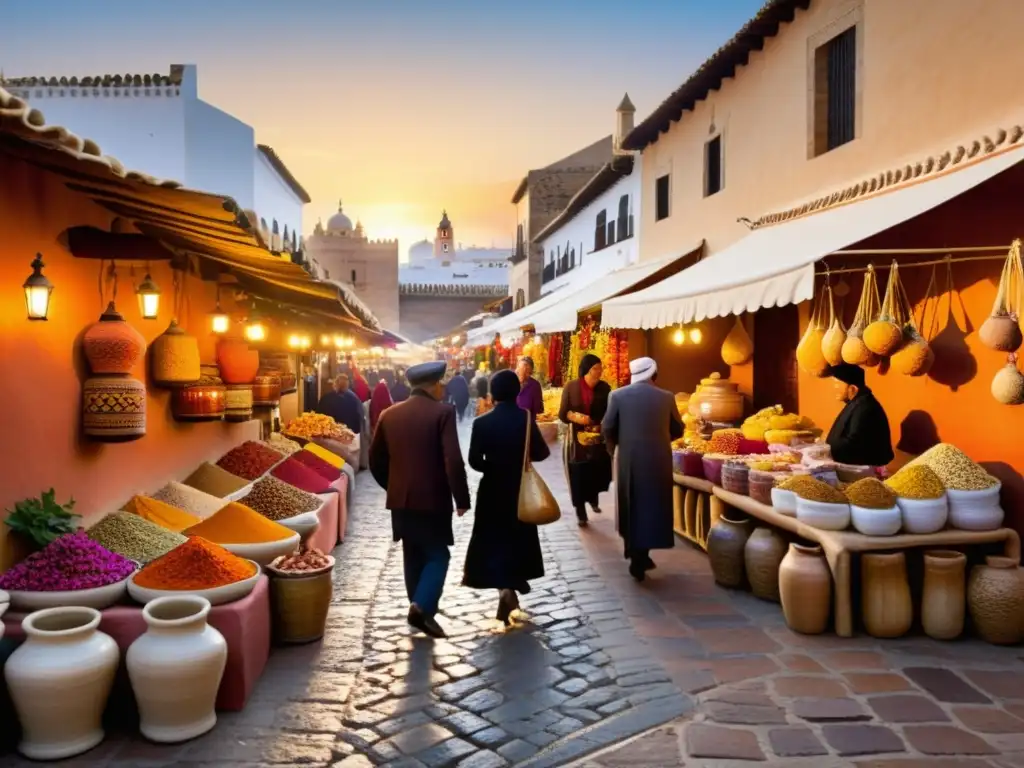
(774, 266)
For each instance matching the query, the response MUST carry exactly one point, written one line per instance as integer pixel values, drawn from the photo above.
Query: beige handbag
(537, 505)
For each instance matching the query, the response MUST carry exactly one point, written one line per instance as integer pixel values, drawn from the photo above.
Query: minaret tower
(444, 240)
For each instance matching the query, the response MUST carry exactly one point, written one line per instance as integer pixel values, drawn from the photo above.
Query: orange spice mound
(161, 513)
(236, 523)
(196, 564)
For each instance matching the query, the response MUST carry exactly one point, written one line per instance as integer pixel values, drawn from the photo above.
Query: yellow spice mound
(870, 493)
(916, 482)
(812, 489)
(238, 524)
(161, 513)
(329, 456)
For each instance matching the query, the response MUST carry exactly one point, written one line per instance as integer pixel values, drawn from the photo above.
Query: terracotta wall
(41, 385)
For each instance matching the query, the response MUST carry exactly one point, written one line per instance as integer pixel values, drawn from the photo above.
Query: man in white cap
(639, 427)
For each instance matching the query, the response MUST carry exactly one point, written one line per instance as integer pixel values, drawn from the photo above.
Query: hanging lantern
(696, 335)
(255, 330)
(295, 341)
(149, 298)
(219, 322)
(679, 337)
(325, 340)
(37, 291)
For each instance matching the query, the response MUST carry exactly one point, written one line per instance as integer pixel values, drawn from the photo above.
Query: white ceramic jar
(876, 522)
(923, 515)
(175, 669)
(823, 515)
(975, 510)
(59, 680)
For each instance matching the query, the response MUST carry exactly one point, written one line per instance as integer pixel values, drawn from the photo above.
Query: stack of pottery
(266, 390)
(113, 403)
(995, 599)
(203, 400)
(805, 589)
(175, 358)
(238, 368)
(726, 551)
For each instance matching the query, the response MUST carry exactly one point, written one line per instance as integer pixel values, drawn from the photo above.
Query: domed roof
(445, 224)
(339, 222)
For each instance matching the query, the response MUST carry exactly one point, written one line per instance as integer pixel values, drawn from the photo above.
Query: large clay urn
(943, 598)
(762, 556)
(995, 598)
(726, 544)
(805, 589)
(111, 345)
(238, 363)
(717, 399)
(886, 608)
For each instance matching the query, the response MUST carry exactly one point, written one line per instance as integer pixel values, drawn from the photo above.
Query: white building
(443, 264)
(157, 124)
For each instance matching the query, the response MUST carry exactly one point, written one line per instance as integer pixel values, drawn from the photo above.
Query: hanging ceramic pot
(175, 358)
(762, 556)
(111, 345)
(943, 598)
(113, 409)
(805, 589)
(885, 594)
(238, 364)
(995, 598)
(59, 680)
(176, 668)
(726, 543)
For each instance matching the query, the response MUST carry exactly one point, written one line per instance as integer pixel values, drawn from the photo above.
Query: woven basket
(299, 607)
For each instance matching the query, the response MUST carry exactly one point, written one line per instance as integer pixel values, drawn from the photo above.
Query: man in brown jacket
(415, 456)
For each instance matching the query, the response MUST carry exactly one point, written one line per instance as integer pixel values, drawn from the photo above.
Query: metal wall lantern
(149, 298)
(37, 291)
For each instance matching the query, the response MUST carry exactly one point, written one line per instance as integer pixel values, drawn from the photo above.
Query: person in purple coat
(530, 398)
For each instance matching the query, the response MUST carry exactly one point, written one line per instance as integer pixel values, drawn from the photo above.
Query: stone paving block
(445, 753)
(483, 700)
(862, 739)
(988, 720)
(464, 723)
(392, 726)
(876, 682)
(541, 738)
(946, 740)
(420, 738)
(852, 660)
(492, 737)
(794, 686)
(799, 662)
(828, 710)
(795, 742)
(744, 714)
(713, 741)
(929, 762)
(1003, 683)
(574, 685)
(483, 759)
(907, 708)
(945, 685)
(518, 750)
(661, 748)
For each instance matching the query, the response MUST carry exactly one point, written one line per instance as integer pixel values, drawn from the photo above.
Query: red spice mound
(326, 470)
(301, 476)
(249, 460)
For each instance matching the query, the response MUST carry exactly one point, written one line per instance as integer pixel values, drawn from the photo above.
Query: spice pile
(161, 513)
(329, 456)
(916, 482)
(310, 425)
(812, 489)
(196, 564)
(327, 471)
(299, 475)
(277, 500)
(133, 537)
(725, 441)
(190, 499)
(249, 460)
(309, 560)
(72, 562)
(870, 493)
(211, 479)
(955, 469)
(282, 444)
(238, 524)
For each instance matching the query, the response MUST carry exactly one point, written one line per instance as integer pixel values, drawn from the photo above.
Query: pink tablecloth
(341, 484)
(325, 537)
(244, 623)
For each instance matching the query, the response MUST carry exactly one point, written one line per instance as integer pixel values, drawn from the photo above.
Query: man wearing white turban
(639, 427)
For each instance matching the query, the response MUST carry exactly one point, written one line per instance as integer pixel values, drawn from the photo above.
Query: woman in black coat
(504, 553)
(587, 467)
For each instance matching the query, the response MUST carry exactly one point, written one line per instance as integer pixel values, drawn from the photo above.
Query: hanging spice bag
(834, 338)
(915, 355)
(1008, 383)
(808, 352)
(1001, 330)
(737, 349)
(884, 335)
(854, 350)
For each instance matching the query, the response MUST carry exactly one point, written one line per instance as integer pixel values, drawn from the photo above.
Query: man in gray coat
(639, 427)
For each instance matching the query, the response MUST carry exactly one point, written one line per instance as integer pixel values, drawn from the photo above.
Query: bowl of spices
(216, 481)
(133, 537)
(301, 586)
(246, 533)
(197, 567)
(297, 474)
(161, 513)
(249, 460)
(921, 497)
(818, 504)
(321, 466)
(73, 570)
(309, 562)
(974, 494)
(873, 508)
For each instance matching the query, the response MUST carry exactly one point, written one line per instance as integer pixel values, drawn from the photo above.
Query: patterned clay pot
(59, 680)
(175, 358)
(886, 607)
(176, 668)
(995, 598)
(726, 543)
(238, 402)
(203, 401)
(805, 589)
(266, 391)
(762, 556)
(943, 599)
(111, 345)
(238, 364)
(113, 408)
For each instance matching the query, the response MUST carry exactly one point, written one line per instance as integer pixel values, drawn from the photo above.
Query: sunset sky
(401, 108)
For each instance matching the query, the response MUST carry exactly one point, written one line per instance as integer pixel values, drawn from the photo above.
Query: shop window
(835, 91)
(600, 231)
(713, 177)
(661, 192)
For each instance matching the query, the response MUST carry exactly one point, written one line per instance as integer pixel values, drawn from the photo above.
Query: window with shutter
(713, 181)
(835, 92)
(661, 201)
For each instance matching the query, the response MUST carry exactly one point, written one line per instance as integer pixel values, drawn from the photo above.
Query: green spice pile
(134, 537)
(811, 489)
(190, 499)
(954, 468)
(917, 482)
(276, 500)
(870, 493)
(211, 479)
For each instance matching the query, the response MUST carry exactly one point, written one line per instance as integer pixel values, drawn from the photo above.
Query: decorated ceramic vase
(995, 599)
(111, 345)
(886, 607)
(726, 544)
(762, 556)
(238, 363)
(805, 589)
(175, 357)
(59, 680)
(175, 669)
(113, 408)
(943, 598)
(238, 402)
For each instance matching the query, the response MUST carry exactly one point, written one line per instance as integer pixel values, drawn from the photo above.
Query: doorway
(776, 335)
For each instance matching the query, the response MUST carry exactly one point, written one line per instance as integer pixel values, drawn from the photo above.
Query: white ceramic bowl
(923, 515)
(97, 597)
(265, 552)
(976, 510)
(217, 596)
(876, 522)
(823, 515)
(303, 524)
(784, 502)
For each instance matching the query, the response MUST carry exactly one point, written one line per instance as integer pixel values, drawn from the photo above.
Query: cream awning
(511, 324)
(774, 266)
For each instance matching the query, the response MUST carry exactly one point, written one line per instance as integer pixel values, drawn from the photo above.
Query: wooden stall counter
(839, 546)
(692, 509)
(244, 623)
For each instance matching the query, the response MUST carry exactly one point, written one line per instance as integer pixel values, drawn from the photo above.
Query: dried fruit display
(310, 425)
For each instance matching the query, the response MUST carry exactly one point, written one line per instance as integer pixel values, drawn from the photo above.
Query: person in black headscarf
(588, 467)
(504, 553)
(860, 434)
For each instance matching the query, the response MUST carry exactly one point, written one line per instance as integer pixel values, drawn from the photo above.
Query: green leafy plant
(42, 520)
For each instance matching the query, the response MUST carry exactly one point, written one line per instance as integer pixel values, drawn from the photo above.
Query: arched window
(275, 229)
(353, 277)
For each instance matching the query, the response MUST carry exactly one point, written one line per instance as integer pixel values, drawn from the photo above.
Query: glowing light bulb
(678, 337)
(696, 335)
(255, 331)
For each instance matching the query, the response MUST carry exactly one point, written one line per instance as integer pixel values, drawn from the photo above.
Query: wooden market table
(692, 509)
(839, 546)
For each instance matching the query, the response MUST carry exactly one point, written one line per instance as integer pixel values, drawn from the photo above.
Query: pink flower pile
(72, 562)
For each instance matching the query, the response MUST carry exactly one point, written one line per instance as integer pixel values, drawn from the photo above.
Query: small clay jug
(995, 598)
(805, 589)
(943, 598)
(886, 607)
(762, 556)
(726, 544)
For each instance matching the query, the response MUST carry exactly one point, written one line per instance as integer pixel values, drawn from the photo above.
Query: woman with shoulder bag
(588, 466)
